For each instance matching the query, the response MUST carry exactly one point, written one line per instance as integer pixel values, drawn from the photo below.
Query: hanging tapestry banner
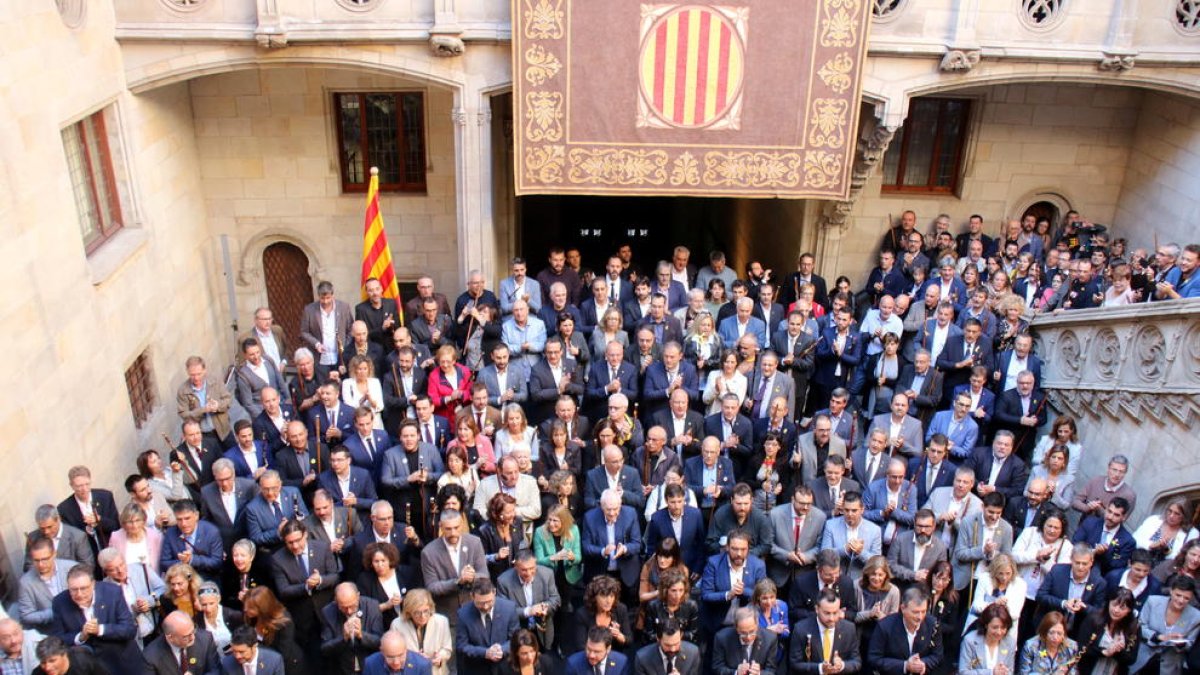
(730, 98)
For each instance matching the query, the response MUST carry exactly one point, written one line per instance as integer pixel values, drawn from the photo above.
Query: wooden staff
(1025, 433)
(892, 230)
(713, 511)
(172, 451)
(317, 422)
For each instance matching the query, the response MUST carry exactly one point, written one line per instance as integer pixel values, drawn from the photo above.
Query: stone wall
(75, 322)
(1162, 191)
(269, 165)
(1073, 139)
(1131, 376)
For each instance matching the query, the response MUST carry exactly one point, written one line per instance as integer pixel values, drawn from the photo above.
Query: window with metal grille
(139, 381)
(926, 154)
(383, 129)
(93, 180)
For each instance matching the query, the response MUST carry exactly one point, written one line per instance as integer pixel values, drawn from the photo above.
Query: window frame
(140, 386)
(938, 139)
(105, 231)
(420, 187)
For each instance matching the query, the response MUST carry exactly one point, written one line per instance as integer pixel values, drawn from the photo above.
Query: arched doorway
(289, 285)
(1043, 209)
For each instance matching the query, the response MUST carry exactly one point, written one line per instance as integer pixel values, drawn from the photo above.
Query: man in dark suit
(1134, 577)
(669, 655)
(96, 616)
(740, 514)
(653, 460)
(665, 377)
(960, 355)
(601, 383)
(772, 313)
(839, 349)
(330, 421)
(745, 642)
(402, 383)
(305, 573)
(550, 378)
(578, 427)
(804, 275)
(637, 306)
(244, 650)
(1021, 411)
(1111, 542)
(681, 522)
(484, 629)
(55, 658)
(557, 304)
(931, 470)
(684, 427)
(270, 424)
(1073, 589)
(349, 486)
(182, 649)
(833, 484)
(890, 652)
(597, 656)
(983, 401)
(249, 455)
(733, 430)
(711, 476)
(886, 279)
(380, 314)
(719, 592)
(611, 542)
(997, 469)
(922, 383)
(351, 627)
(257, 372)
(302, 461)
(336, 526)
(807, 589)
(395, 657)
(425, 289)
(325, 346)
(367, 444)
(825, 639)
(674, 292)
(411, 470)
(1027, 510)
(192, 541)
(486, 417)
(94, 511)
(797, 351)
(266, 513)
(431, 327)
(1012, 362)
(433, 430)
(614, 471)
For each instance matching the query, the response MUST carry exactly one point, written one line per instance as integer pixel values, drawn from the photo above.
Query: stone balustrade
(1131, 376)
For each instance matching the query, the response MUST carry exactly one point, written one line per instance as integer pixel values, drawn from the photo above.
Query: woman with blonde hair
(1000, 586)
(609, 330)
(425, 630)
(877, 598)
(362, 388)
(183, 590)
(516, 432)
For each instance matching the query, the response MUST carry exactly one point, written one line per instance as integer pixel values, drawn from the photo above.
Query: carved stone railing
(1131, 376)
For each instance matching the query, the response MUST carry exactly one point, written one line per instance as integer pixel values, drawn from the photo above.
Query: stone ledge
(114, 253)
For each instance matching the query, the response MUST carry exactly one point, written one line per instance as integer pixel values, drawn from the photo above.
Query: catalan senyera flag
(377, 256)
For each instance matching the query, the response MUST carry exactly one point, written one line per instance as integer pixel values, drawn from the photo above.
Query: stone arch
(1054, 195)
(249, 269)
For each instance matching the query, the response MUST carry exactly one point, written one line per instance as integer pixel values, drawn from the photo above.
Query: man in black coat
(92, 510)
(825, 638)
(744, 642)
(182, 649)
(807, 588)
(305, 572)
(351, 628)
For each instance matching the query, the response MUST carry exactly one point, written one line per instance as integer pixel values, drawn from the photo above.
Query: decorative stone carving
(1149, 350)
(960, 60)
(1106, 354)
(459, 117)
(270, 33)
(1116, 63)
(1070, 354)
(72, 12)
(484, 116)
(446, 46)
(872, 145)
(1125, 406)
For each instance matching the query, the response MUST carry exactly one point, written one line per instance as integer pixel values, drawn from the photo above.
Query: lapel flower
(1088, 588)
(192, 660)
(1043, 653)
(312, 460)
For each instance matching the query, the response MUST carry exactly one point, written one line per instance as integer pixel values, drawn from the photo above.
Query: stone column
(473, 175)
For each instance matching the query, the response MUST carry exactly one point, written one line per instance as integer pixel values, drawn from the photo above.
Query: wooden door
(289, 287)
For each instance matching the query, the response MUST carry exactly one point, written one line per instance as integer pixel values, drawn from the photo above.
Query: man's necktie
(670, 664)
(479, 420)
(827, 645)
(183, 661)
(796, 532)
(930, 477)
(483, 618)
(333, 417)
(278, 511)
(428, 433)
(596, 669)
(303, 565)
(758, 398)
(371, 448)
(871, 463)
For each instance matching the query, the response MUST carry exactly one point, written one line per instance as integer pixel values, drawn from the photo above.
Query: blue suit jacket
(875, 499)
(595, 537)
(1113, 582)
(889, 645)
(414, 664)
(269, 663)
(596, 482)
(241, 468)
(1032, 363)
(742, 428)
(577, 664)
(117, 648)
(729, 332)
(676, 294)
(208, 551)
(693, 475)
(1012, 476)
(264, 428)
(964, 438)
(345, 420)
(358, 451)
(924, 336)
(654, 389)
(598, 379)
(471, 641)
(1057, 585)
(834, 537)
(987, 401)
(1116, 558)
(916, 472)
(714, 584)
(827, 361)
(261, 524)
(360, 484)
(692, 543)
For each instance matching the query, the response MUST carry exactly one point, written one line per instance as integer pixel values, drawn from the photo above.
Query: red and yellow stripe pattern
(377, 256)
(691, 68)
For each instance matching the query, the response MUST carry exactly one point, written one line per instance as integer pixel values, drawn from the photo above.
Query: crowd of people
(663, 471)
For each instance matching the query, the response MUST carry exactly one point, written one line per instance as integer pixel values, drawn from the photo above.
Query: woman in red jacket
(449, 383)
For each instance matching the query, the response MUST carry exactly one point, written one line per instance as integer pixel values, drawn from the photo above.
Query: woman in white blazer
(426, 631)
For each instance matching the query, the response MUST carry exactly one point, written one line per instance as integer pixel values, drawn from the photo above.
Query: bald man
(394, 658)
(351, 629)
(182, 648)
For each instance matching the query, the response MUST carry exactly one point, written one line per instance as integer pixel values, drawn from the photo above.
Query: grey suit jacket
(900, 555)
(835, 537)
(310, 325)
(968, 548)
(517, 380)
(72, 545)
(269, 663)
(939, 502)
(910, 431)
(972, 656)
(779, 567)
(544, 590)
(441, 577)
(1153, 620)
(250, 385)
(34, 598)
(781, 385)
(806, 448)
